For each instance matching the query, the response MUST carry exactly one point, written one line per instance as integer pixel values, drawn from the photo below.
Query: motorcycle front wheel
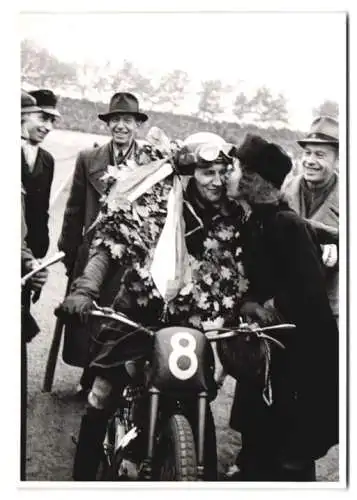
(175, 454)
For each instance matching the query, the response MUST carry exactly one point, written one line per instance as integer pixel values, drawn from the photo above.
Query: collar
(320, 187)
(126, 151)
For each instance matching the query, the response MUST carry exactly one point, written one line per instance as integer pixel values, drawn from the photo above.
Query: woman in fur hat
(282, 437)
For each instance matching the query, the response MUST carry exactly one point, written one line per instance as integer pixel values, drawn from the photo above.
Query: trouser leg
(92, 432)
(90, 442)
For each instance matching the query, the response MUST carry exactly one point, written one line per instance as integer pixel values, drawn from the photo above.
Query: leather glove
(329, 255)
(255, 312)
(75, 306)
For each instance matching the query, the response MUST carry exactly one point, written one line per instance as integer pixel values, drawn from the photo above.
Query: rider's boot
(90, 443)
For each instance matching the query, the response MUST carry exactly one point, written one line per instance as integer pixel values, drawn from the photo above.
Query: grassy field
(53, 418)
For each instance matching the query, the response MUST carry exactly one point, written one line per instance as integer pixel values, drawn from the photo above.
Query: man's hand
(255, 312)
(75, 305)
(329, 255)
(39, 279)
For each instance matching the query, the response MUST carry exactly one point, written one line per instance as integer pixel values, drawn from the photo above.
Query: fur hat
(266, 158)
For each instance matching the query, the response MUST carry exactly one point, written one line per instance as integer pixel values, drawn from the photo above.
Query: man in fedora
(32, 290)
(123, 119)
(314, 193)
(37, 166)
(28, 260)
(288, 416)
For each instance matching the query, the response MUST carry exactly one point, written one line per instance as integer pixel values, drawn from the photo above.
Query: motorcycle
(162, 428)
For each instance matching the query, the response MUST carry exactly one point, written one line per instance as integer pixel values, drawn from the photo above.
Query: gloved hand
(255, 312)
(329, 255)
(75, 305)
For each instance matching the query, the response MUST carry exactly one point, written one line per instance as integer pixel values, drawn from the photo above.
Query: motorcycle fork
(153, 413)
(202, 408)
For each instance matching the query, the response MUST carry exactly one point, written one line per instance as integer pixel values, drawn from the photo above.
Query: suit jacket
(37, 185)
(83, 205)
(327, 213)
(81, 211)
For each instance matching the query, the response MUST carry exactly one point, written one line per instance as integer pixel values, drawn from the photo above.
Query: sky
(302, 55)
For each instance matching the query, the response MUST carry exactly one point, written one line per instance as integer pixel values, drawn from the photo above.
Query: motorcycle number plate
(180, 357)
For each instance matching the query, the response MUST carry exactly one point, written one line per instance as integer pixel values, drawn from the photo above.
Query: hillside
(82, 115)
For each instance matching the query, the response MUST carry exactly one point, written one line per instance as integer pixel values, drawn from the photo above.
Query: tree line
(42, 69)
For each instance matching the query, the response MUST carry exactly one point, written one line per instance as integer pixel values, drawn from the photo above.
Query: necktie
(119, 157)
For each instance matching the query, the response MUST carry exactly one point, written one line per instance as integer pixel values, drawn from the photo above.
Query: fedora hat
(46, 100)
(124, 103)
(324, 130)
(28, 103)
(268, 159)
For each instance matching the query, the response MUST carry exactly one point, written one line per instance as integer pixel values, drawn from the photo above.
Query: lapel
(293, 194)
(98, 162)
(328, 212)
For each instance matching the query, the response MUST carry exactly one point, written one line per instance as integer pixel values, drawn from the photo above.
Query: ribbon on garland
(131, 184)
(170, 269)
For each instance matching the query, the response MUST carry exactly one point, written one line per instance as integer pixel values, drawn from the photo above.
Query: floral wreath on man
(138, 228)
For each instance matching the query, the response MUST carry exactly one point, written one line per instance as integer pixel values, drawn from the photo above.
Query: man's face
(38, 125)
(211, 181)
(123, 129)
(319, 161)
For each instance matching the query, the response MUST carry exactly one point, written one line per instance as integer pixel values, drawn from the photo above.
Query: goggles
(203, 154)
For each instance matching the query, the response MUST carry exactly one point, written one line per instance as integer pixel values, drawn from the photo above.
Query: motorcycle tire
(175, 455)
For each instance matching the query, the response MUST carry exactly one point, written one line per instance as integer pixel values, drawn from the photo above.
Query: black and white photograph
(183, 263)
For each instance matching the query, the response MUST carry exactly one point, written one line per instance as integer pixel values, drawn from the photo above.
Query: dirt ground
(52, 418)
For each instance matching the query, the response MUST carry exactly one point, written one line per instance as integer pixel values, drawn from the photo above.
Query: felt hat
(123, 103)
(46, 100)
(28, 103)
(324, 130)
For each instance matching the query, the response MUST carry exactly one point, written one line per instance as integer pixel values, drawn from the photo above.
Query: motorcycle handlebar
(213, 335)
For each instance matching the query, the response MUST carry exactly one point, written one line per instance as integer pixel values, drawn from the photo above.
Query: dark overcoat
(282, 260)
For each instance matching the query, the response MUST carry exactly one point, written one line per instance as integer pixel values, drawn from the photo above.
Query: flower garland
(131, 230)
(218, 282)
